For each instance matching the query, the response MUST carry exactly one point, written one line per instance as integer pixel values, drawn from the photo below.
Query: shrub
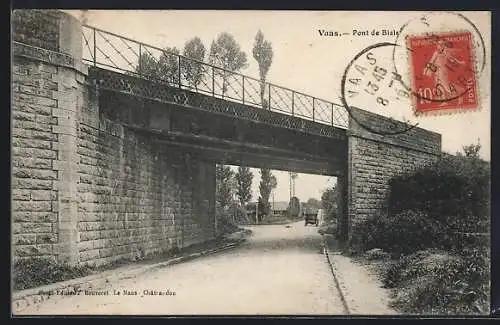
(225, 221)
(405, 233)
(239, 214)
(328, 227)
(444, 207)
(34, 272)
(436, 282)
(410, 267)
(455, 191)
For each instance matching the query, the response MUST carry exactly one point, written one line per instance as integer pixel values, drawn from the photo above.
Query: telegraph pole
(257, 213)
(293, 176)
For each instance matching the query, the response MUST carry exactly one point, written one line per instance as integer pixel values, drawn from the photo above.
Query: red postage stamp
(443, 74)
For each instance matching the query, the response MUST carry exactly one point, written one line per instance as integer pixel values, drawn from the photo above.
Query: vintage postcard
(250, 162)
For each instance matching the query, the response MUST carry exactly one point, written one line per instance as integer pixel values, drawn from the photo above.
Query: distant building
(279, 208)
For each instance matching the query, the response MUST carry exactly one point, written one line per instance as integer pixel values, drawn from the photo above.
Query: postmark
(370, 80)
(440, 57)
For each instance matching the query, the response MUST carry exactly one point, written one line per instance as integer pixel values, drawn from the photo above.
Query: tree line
(230, 184)
(224, 53)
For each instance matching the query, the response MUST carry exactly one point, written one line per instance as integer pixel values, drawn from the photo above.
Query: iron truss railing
(118, 53)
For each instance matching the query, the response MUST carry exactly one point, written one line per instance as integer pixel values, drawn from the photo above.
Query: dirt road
(279, 270)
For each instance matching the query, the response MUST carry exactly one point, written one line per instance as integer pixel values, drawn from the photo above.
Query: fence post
(293, 93)
(269, 95)
(332, 114)
(313, 109)
(213, 81)
(243, 81)
(179, 71)
(95, 48)
(140, 61)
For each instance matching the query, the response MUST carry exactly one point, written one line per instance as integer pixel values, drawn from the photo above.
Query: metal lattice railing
(118, 53)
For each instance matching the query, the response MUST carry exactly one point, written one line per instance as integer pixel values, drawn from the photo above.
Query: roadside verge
(360, 290)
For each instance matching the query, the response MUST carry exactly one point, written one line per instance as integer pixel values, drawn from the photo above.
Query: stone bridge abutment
(374, 159)
(84, 188)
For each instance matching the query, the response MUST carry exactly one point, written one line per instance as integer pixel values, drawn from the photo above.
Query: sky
(305, 61)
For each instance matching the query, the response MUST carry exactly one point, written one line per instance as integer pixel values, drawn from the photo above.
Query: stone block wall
(374, 159)
(135, 197)
(37, 27)
(85, 189)
(34, 153)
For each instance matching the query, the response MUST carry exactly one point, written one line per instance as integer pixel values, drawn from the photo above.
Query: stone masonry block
(67, 121)
(89, 216)
(31, 227)
(43, 195)
(66, 113)
(23, 116)
(34, 173)
(61, 165)
(90, 226)
(24, 239)
(40, 92)
(90, 235)
(48, 68)
(32, 108)
(36, 217)
(58, 129)
(21, 194)
(42, 206)
(46, 238)
(46, 119)
(86, 245)
(89, 255)
(31, 143)
(33, 250)
(39, 163)
(27, 125)
(34, 153)
(100, 243)
(32, 134)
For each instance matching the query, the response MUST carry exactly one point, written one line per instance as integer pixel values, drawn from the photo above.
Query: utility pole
(257, 213)
(293, 176)
(272, 210)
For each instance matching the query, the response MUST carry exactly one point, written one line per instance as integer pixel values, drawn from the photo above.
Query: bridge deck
(161, 92)
(121, 54)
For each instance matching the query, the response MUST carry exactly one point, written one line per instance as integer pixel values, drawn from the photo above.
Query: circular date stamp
(370, 80)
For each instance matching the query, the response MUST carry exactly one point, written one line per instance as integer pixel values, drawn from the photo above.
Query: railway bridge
(111, 160)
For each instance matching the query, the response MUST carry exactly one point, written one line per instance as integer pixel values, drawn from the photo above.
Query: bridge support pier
(85, 189)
